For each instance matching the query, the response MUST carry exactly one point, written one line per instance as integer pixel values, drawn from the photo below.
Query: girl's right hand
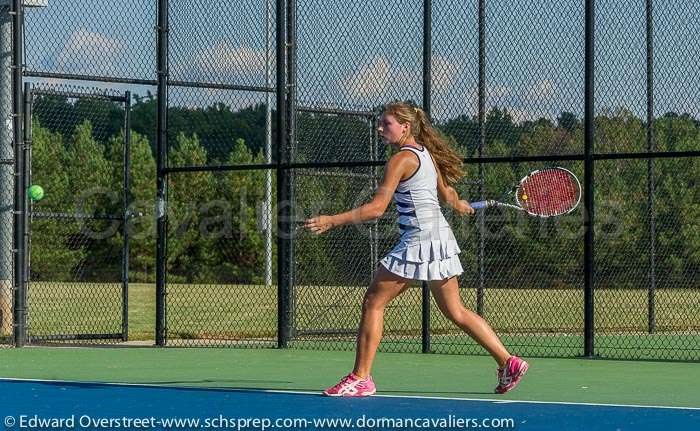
(463, 208)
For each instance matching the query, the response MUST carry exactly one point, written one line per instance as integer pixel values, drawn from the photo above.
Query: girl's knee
(455, 314)
(372, 301)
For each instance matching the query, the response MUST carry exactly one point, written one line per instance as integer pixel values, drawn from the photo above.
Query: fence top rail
(215, 86)
(97, 78)
(333, 111)
(468, 160)
(98, 94)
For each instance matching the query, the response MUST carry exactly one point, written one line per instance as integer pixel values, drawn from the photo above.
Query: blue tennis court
(35, 404)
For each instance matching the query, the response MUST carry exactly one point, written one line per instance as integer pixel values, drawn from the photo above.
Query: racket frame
(493, 203)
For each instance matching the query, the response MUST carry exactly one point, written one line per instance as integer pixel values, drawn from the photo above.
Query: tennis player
(427, 250)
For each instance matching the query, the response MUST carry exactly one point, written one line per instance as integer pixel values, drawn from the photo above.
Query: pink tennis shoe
(352, 386)
(509, 376)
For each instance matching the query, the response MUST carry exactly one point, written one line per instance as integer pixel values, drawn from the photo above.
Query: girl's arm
(449, 195)
(397, 167)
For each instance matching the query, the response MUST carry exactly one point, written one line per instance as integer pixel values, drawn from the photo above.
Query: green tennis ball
(35, 192)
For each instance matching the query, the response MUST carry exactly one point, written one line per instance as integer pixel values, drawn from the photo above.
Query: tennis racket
(544, 193)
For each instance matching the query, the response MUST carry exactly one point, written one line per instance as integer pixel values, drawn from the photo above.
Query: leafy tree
(234, 227)
(142, 180)
(677, 197)
(62, 114)
(188, 195)
(95, 193)
(51, 259)
(567, 121)
(144, 117)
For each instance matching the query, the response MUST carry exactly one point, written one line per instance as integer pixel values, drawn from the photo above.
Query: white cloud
(378, 80)
(496, 91)
(541, 91)
(522, 114)
(90, 53)
(444, 73)
(225, 59)
(369, 81)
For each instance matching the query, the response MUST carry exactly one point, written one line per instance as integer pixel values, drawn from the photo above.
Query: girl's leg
(385, 287)
(446, 293)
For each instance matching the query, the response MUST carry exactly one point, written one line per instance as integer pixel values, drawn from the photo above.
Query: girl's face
(391, 130)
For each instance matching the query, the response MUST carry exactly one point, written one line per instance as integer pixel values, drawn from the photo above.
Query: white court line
(282, 391)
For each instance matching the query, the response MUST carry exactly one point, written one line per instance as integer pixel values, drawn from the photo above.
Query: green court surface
(646, 383)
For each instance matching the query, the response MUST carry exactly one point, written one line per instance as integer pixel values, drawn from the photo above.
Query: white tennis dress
(427, 248)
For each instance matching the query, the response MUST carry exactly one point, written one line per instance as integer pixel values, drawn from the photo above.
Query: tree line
(215, 231)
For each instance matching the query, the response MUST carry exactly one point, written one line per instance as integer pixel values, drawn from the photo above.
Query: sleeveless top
(417, 200)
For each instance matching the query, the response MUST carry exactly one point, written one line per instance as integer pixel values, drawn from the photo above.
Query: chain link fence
(91, 40)
(221, 253)
(78, 243)
(221, 275)
(242, 144)
(646, 297)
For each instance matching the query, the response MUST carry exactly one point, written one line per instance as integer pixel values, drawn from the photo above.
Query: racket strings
(549, 192)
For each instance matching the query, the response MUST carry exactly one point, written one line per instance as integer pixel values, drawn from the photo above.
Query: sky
(358, 55)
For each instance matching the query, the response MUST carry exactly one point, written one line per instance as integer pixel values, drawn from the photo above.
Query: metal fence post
(480, 153)
(427, 59)
(26, 178)
(127, 216)
(267, 205)
(589, 136)
(20, 316)
(161, 162)
(290, 157)
(283, 186)
(651, 146)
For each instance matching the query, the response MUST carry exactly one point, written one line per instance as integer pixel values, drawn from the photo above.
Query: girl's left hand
(319, 224)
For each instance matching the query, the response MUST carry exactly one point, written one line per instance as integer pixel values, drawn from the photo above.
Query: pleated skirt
(425, 256)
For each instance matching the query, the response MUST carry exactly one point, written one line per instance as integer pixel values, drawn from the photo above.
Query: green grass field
(541, 322)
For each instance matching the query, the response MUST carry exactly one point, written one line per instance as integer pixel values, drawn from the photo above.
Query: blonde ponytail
(448, 161)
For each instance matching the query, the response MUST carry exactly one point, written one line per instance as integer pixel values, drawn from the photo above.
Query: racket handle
(479, 205)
